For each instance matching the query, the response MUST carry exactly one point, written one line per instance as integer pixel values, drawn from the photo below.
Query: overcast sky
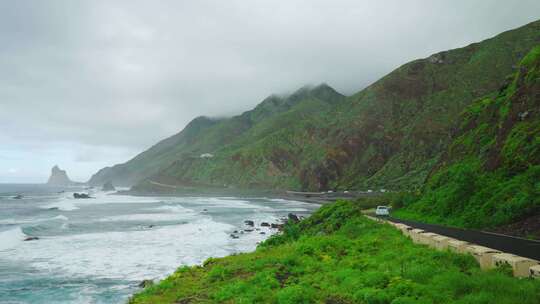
(85, 84)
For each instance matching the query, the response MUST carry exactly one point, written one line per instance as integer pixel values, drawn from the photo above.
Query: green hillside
(151, 161)
(338, 256)
(206, 135)
(389, 135)
(490, 174)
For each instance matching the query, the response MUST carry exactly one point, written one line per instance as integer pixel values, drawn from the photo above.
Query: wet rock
(80, 195)
(146, 283)
(18, 196)
(265, 224)
(293, 218)
(31, 238)
(276, 226)
(249, 223)
(248, 230)
(233, 236)
(236, 231)
(262, 232)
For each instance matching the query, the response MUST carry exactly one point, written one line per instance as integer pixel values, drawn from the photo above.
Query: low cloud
(88, 83)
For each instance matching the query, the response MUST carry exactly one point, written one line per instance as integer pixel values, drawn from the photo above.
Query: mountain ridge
(390, 134)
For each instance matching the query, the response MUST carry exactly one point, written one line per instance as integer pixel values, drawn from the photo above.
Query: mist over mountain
(389, 135)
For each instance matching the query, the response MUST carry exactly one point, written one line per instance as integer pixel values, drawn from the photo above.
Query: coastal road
(518, 246)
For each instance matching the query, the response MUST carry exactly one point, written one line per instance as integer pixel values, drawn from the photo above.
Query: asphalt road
(518, 246)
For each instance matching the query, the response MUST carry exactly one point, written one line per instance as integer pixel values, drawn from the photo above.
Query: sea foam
(11, 238)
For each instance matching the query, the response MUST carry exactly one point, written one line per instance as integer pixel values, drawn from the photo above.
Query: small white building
(207, 155)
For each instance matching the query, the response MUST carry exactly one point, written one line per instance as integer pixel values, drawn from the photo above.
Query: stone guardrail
(487, 258)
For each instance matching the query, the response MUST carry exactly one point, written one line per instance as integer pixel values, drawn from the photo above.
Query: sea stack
(59, 177)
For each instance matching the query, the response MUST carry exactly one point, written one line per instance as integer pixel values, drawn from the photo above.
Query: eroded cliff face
(59, 177)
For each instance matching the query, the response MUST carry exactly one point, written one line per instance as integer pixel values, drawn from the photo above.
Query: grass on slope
(339, 256)
(490, 174)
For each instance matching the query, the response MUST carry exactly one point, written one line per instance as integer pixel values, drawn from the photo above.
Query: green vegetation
(339, 256)
(390, 135)
(480, 168)
(490, 174)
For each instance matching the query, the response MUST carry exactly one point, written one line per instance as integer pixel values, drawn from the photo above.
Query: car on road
(382, 211)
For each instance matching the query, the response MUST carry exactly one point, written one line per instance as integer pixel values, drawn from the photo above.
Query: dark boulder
(146, 283)
(31, 238)
(248, 230)
(262, 232)
(233, 236)
(249, 223)
(80, 195)
(265, 224)
(276, 226)
(293, 218)
(18, 196)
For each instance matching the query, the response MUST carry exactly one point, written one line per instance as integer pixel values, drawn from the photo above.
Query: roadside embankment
(521, 255)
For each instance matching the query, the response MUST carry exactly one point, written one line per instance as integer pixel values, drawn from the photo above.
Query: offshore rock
(80, 195)
(59, 177)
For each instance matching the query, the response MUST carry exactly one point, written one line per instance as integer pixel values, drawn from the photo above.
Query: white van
(382, 211)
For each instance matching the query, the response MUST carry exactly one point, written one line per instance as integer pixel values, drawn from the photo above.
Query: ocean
(98, 250)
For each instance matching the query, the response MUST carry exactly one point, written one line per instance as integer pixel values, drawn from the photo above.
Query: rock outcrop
(108, 186)
(59, 177)
(81, 195)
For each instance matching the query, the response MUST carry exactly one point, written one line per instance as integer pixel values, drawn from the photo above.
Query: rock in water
(146, 283)
(81, 195)
(276, 226)
(108, 186)
(293, 218)
(59, 178)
